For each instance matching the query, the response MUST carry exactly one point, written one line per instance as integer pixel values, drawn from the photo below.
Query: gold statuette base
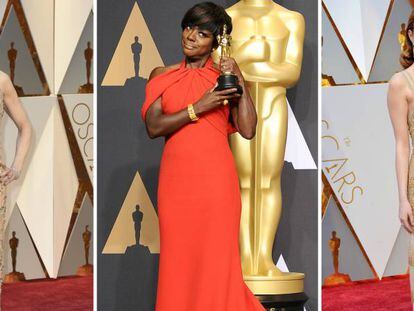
(86, 88)
(85, 270)
(14, 277)
(336, 278)
(287, 283)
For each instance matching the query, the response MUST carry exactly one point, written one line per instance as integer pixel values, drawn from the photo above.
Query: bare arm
(160, 124)
(15, 110)
(243, 113)
(398, 110)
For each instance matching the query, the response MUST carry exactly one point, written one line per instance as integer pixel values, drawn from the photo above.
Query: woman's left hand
(229, 64)
(9, 174)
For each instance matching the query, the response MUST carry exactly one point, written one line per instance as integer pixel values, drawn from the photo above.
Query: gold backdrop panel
(124, 233)
(136, 54)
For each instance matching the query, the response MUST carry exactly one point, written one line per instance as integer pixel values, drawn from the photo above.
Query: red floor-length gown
(199, 204)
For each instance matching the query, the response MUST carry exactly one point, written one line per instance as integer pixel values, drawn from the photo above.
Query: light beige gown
(410, 186)
(2, 194)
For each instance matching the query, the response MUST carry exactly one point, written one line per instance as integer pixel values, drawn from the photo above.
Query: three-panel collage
(248, 155)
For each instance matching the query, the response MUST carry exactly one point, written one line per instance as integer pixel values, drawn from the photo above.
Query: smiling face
(196, 42)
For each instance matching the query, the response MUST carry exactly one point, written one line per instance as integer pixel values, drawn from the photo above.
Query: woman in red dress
(199, 204)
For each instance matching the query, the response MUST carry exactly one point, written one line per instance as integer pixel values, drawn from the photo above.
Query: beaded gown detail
(2, 195)
(199, 203)
(410, 183)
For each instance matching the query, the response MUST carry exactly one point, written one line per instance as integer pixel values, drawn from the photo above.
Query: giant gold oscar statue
(267, 44)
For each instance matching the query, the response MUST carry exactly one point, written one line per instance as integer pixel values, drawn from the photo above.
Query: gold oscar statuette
(88, 87)
(336, 277)
(267, 44)
(87, 268)
(401, 37)
(12, 56)
(326, 79)
(227, 79)
(14, 276)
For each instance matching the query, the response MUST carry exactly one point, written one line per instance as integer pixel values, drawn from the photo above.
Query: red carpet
(391, 293)
(62, 294)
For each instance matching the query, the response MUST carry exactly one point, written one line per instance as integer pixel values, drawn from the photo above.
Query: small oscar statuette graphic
(401, 37)
(86, 269)
(14, 276)
(336, 277)
(12, 56)
(326, 79)
(88, 87)
(227, 79)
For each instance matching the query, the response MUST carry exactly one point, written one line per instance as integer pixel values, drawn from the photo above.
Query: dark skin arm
(160, 124)
(244, 113)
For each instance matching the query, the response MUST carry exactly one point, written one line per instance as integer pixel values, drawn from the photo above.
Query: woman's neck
(196, 62)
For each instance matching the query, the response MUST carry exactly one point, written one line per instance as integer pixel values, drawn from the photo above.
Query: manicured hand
(9, 174)
(406, 216)
(213, 99)
(229, 64)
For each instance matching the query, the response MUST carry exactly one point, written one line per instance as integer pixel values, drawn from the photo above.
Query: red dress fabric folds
(199, 205)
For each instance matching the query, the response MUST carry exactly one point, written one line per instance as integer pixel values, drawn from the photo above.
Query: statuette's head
(201, 26)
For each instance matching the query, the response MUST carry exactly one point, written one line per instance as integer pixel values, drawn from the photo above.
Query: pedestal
(14, 277)
(286, 283)
(336, 278)
(86, 88)
(85, 270)
(285, 302)
(284, 292)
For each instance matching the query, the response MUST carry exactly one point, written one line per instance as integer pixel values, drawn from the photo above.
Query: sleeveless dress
(2, 196)
(199, 203)
(410, 186)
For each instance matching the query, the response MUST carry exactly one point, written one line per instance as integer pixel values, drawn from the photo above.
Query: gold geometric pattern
(332, 196)
(55, 179)
(123, 233)
(127, 58)
(14, 7)
(346, 145)
(70, 21)
(363, 33)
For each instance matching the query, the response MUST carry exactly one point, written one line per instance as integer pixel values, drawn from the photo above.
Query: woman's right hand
(9, 174)
(213, 99)
(406, 216)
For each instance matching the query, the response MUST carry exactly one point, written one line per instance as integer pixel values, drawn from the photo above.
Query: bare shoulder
(160, 70)
(398, 91)
(397, 82)
(5, 82)
(4, 78)
(156, 72)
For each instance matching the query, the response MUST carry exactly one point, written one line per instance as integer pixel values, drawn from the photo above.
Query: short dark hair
(208, 16)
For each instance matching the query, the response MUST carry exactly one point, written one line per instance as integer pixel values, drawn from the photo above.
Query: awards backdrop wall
(133, 38)
(46, 47)
(360, 191)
